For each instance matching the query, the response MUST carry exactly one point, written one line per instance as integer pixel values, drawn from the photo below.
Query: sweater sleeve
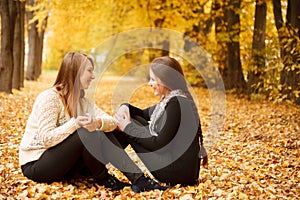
(108, 122)
(47, 113)
(142, 136)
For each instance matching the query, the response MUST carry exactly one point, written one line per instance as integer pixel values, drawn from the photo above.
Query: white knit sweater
(49, 124)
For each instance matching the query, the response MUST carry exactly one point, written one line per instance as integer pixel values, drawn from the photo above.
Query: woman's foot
(111, 182)
(146, 184)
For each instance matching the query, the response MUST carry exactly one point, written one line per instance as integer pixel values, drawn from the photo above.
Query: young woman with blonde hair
(62, 142)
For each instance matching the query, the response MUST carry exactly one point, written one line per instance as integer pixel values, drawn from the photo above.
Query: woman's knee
(39, 175)
(118, 139)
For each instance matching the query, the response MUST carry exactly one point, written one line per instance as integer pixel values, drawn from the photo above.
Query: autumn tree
(200, 14)
(220, 32)
(233, 74)
(289, 35)
(255, 74)
(36, 31)
(8, 18)
(202, 26)
(19, 46)
(157, 12)
(227, 29)
(12, 46)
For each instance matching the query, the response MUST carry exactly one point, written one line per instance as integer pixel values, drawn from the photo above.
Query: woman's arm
(47, 109)
(142, 136)
(145, 113)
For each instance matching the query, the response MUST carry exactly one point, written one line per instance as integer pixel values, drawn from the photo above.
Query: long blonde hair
(68, 81)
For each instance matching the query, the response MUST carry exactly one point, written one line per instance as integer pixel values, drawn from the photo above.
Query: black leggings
(82, 153)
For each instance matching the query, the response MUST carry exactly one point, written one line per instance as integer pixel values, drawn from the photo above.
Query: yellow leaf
(243, 196)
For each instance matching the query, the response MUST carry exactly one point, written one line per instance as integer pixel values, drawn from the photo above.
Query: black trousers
(83, 153)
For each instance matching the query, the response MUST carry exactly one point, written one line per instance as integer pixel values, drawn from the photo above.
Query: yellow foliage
(82, 25)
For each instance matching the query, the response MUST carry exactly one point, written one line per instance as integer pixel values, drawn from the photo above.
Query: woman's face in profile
(158, 88)
(87, 76)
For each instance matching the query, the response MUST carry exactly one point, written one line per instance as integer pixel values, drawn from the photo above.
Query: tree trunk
(289, 44)
(22, 43)
(220, 30)
(18, 49)
(32, 35)
(8, 13)
(290, 75)
(166, 48)
(255, 80)
(35, 42)
(39, 47)
(233, 74)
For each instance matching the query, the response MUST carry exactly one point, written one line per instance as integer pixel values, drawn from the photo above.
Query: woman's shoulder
(48, 94)
(180, 101)
(180, 98)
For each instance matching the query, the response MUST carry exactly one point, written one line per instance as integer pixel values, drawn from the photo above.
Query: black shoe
(146, 184)
(112, 183)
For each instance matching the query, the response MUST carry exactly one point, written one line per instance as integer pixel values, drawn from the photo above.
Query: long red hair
(68, 81)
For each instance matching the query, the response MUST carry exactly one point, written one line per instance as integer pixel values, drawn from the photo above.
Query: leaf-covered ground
(256, 157)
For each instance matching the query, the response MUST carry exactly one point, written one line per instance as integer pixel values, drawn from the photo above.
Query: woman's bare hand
(87, 122)
(122, 119)
(123, 110)
(82, 120)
